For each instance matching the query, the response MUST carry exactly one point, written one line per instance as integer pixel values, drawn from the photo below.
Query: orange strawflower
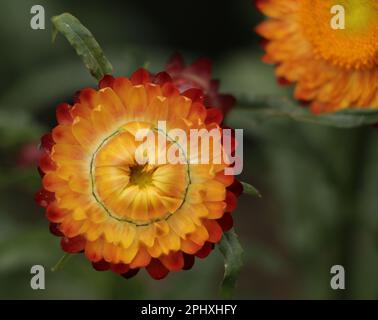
(125, 216)
(333, 68)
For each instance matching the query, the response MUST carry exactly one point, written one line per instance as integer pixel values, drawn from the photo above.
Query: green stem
(351, 220)
(61, 262)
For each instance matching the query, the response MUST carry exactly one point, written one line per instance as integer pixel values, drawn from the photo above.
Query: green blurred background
(319, 185)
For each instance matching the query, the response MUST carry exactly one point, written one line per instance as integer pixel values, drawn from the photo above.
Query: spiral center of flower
(131, 192)
(355, 46)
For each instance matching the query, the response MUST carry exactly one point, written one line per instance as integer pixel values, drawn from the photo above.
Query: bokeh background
(319, 184)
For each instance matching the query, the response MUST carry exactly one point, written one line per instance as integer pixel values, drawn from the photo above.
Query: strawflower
(122, 215)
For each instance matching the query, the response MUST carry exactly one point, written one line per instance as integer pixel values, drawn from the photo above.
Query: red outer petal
(194, 94)
(106, 82)
(86, 96)
(120, 268)
(205, 250)
(236, 188)
(226, 222)
(63, 114)
(317, 107)
(101, 265)
(189, 260)
(214, 115)
(157, 270)
(54, 229)
(47, 142)
(214, 229)
(46, 163)
(201, 67)
(41, 173)
(73, 245)
(162, 78)
(283, 81)
(141, 76)
(231, 201)
(44, 198)
(263, 43)
(54, 213)
(131, 273)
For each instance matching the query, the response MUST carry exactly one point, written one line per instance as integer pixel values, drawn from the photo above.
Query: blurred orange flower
(333, 68)
(125, 216)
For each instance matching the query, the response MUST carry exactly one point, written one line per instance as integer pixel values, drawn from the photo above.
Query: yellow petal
(181, 224)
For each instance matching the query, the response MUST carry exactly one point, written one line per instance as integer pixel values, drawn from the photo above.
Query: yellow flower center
(358, 15)
(141, 175)
(353, 47)
(131, 192)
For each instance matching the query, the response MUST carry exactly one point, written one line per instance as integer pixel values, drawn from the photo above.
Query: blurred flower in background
(199, 75)
(333, 69)
(29, 155)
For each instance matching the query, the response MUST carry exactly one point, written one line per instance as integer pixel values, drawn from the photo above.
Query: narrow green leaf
(54, 31)
(62, 261)
(250, 189)
(84, 43)
(233, 261)
(264, 108)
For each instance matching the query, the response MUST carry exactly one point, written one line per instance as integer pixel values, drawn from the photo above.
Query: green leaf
(233, 261)
(266, 107)
(61, 263)
(250, 189)
(84, 43)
